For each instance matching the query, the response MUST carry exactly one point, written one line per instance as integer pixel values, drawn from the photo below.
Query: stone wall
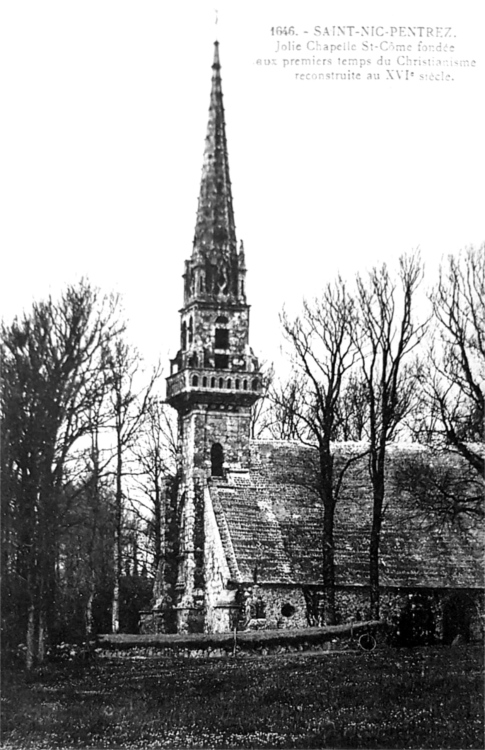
(209, 424)
(285, 606)
(415, 617)
(204, 326)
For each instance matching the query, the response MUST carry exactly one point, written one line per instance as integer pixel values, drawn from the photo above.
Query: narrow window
(222, 338)
(245, 385)
(255, 384)
(184, 336)
(221, 383)
(195, 381)
(191, 331)
(204, 382)
(217, 460)
(213, 382)
(237, 385)
(228, 384)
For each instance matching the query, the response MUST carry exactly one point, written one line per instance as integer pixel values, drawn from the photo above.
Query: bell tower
(214, 378)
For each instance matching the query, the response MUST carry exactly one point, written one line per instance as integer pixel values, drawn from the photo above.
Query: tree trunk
(328, 565)
(41, 641)
(157, 522)
(115, 611)
(30, 637)
(88, 614)
(115, 614)
(374, 549)
(326, 469)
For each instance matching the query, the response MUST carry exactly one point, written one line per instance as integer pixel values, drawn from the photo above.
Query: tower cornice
(221, 305)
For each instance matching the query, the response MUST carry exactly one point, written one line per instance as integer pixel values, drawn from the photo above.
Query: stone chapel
(247, 522)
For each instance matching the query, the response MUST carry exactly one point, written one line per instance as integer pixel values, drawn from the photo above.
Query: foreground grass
(419, 698)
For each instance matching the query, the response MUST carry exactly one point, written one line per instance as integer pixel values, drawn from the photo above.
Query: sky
(105, 113)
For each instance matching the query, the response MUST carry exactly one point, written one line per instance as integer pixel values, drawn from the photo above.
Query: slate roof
(270, 518)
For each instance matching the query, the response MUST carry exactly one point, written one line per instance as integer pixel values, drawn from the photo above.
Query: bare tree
(352, 417)
(129, 405)
(276, 413)
(156, 454)
(322, 353)
(385, 336)
(286, 405)
(445, 489)
(454, 378)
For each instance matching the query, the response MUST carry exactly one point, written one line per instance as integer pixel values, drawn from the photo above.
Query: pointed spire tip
(216, 64)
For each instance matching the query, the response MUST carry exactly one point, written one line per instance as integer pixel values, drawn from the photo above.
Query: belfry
(214, 379)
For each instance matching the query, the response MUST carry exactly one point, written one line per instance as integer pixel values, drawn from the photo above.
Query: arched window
(195, 381)
(237, 385)
(191, 330)
(221, 383)
(228, 383)
(204, 382)
(184, 336)
(217, 460)
(255, 384)
(213, 382)
(245, 385)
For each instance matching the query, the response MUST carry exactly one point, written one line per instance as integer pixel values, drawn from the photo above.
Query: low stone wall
(245, 643)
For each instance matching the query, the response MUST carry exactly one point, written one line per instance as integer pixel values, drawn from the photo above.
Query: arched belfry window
(184, 336)
(191, 330)
(217, 460)
(221, 333)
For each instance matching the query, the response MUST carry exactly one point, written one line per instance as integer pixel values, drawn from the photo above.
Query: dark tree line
(73, 401)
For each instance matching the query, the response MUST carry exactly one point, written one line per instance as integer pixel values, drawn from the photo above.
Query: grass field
(417, 698)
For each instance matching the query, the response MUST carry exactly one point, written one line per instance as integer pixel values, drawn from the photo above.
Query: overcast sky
(105, 111)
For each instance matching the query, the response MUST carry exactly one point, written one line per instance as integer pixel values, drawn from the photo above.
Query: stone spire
(215, 231)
